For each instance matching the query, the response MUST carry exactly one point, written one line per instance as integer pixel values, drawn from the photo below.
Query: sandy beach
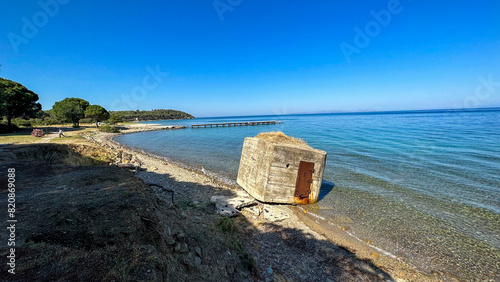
(317, 242)
(265, 242)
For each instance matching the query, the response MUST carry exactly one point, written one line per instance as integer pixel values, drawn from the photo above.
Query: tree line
(20, 106)
(152, 115)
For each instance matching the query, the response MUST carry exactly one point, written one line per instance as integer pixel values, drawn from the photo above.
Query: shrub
(114, 119)
(109, 129)
(52, 120)
(21, 122)
(37, 132)
(86, 120)
(36, 121)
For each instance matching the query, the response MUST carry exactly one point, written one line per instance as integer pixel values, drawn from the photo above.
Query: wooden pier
(229, 124)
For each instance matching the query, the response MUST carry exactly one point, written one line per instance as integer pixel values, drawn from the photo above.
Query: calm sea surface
(424, 187)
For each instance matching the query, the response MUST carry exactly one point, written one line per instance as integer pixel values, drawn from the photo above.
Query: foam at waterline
(351, 233)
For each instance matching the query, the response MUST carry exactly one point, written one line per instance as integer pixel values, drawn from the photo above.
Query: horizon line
(366, 112)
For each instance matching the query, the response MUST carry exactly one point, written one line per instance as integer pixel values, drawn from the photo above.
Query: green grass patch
(185, 205)
(231, 231)
(66, 139)
(109, 129)
(18, 137)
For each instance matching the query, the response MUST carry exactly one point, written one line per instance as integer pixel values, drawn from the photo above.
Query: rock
(240, 200)
(181, 248)
(177, 247)
(280, 278)
(254, 209)
(153, 168)
(169, 240)
(197, 250)
(126, 157)
(269, 271)
(127, 165)
(197, 261)
(274, 213)
(228, 206)
(222, 207)
(226, 210)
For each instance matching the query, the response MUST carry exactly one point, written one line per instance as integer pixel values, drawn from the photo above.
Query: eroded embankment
(81, 221)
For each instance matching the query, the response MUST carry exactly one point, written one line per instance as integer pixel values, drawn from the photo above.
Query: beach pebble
(197, 250)
(197, 261)
(169, 240)
(269, 271)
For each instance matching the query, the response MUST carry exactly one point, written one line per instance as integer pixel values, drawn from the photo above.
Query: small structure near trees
(37, 132)
(280, 169)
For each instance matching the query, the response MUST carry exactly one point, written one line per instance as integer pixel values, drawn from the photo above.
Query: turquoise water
(423, 186)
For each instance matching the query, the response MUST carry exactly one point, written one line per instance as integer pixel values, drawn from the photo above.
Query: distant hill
(152, 115)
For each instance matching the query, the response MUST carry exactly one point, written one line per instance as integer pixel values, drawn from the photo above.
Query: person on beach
(61, 133)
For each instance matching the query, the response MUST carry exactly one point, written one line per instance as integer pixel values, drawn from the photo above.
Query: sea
(421, 186)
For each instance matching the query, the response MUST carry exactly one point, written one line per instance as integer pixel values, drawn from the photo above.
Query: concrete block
(269, 170)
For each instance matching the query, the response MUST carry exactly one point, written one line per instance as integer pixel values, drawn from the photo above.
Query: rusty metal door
(304, 180)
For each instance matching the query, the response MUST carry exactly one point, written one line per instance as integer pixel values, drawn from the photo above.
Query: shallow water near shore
(422, 186)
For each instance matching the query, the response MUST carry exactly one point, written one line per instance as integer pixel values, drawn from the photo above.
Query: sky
(243, 57)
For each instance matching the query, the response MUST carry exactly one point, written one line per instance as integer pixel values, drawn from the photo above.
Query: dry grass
(280, 137)
(18, 138)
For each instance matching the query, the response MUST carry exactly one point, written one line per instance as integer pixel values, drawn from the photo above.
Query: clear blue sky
(249, 57)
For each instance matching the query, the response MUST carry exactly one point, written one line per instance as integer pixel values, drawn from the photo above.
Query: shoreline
(296, 216)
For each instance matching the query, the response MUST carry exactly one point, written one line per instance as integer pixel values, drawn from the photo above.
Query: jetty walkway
(242, 123)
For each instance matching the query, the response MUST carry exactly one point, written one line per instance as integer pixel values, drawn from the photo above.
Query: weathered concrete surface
(268, 170)
(229, 206)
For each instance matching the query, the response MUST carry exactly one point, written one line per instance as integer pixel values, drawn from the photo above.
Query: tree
(96, 113)
(17, 101)
(71, 110)
(114, 119)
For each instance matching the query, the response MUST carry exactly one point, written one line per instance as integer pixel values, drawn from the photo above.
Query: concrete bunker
(281, 169)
